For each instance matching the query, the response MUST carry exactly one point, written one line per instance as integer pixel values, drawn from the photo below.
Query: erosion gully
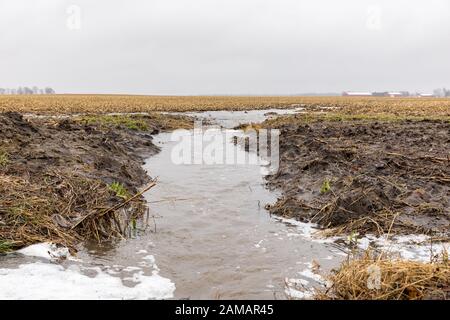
(207, 236)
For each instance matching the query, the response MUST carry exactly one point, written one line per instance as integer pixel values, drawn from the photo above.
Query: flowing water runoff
(208, 237)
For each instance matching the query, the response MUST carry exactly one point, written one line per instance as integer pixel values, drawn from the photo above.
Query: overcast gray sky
(225, 46)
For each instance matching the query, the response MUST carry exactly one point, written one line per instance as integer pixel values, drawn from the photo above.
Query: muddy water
(208, 236)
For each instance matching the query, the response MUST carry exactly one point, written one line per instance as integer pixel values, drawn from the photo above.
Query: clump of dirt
(365, 176)
(67, 180)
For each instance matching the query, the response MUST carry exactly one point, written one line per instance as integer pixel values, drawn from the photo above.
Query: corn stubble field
(387, 107)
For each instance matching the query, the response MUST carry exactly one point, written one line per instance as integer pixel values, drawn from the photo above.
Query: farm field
(371, 107)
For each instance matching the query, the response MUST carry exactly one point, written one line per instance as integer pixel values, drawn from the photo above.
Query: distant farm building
(392, 94)
(398, 94)
(426, 95)
(380, 94)
(356, 94)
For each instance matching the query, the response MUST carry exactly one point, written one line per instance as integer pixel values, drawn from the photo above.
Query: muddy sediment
(365, 176)
(67, 180)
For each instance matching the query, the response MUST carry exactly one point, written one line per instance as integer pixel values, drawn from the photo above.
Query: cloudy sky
(225, 46)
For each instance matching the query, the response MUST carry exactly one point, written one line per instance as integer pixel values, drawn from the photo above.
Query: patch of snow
(296, 289)
(294, 293)
(297, 282)
(113, 272)
(130, 269)
(45, 250)
(410, 247)
(149, 261)
(149, 258)
(50, 281)
(304, 229)
(307, 273)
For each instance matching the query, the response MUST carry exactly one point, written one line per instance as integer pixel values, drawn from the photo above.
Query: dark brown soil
(56, 177)
(382, 175)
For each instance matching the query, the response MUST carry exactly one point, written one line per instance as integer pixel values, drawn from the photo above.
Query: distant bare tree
(27, 90)
(49, 90)
(437, 92)
(446, 92)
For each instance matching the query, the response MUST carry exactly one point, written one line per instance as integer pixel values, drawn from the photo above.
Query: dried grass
(399, 279)
(63, 208)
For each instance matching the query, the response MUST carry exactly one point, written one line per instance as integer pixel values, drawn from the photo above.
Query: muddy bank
(66, 180)
(365, 176)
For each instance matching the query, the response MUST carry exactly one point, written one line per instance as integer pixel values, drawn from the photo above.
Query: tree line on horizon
(27, 90)
(442, 92)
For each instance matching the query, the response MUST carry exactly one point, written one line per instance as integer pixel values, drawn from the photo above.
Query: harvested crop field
(354, 106)
(365, 176)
